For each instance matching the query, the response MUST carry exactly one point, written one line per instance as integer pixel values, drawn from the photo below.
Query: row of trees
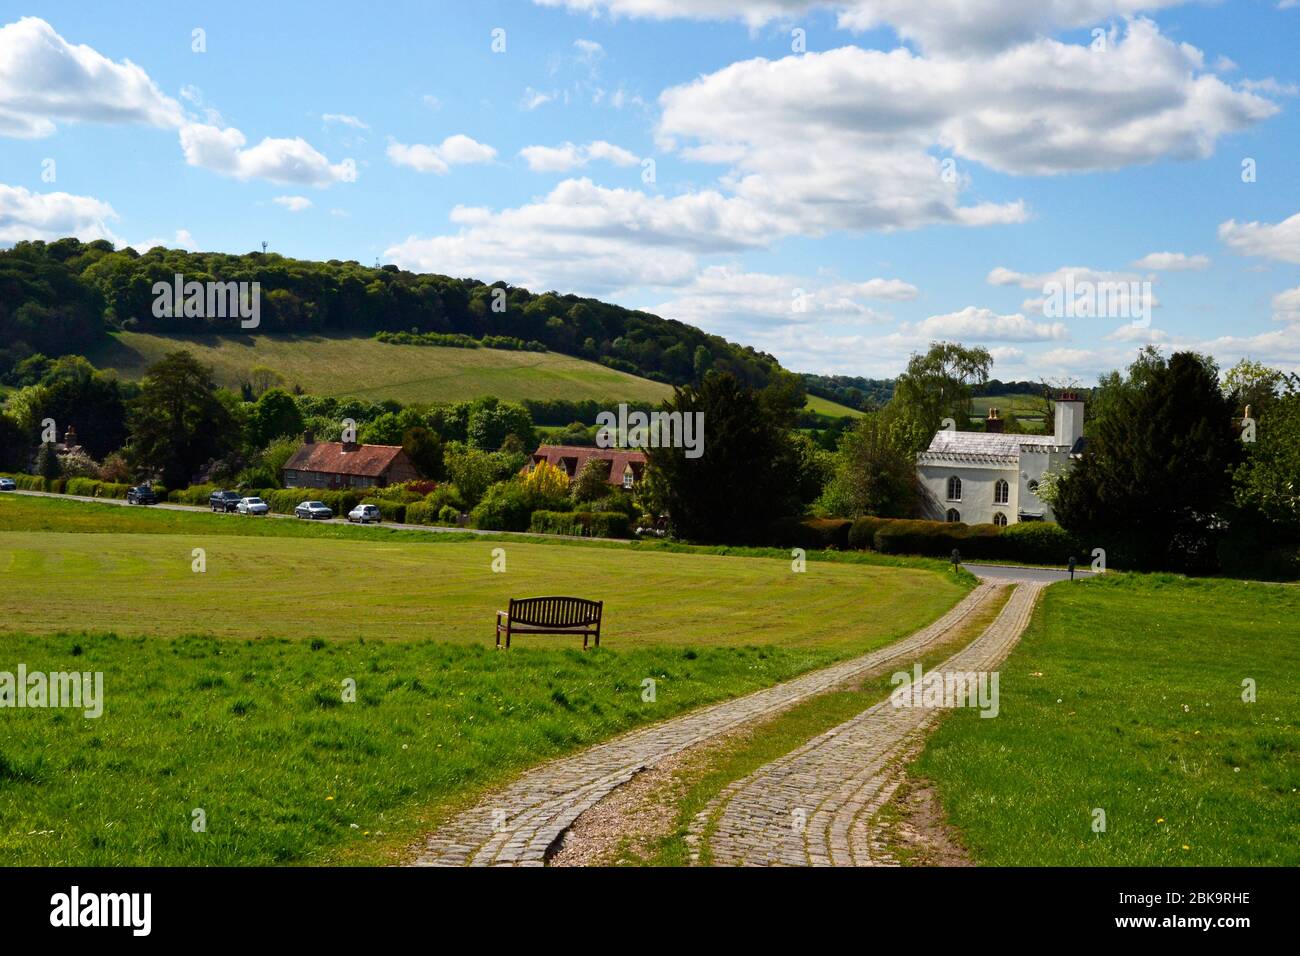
(63, 296)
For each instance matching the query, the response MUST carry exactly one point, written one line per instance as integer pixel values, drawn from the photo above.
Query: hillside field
(363, 367)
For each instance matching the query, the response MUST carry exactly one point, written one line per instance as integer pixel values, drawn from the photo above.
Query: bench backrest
(555, 611)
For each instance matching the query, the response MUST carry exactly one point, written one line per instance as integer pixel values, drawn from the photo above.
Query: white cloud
(181, 240)
(534, 98)
(28, 215)
(345, 119)
(1280, 242)
(283, 161)
(45, 80)
(987, 326)
(1286, 306)
(1172, 262)
(1128, 293)
(456, 150)
(959, 25)
(588, 238)
(293, 203)
(847, 139)
(588, 49)
(567, 156)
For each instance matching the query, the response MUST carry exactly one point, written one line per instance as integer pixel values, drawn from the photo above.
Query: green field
(824, 406)
(1125, 695)
(1027, 408)
(223, 689)
(367, 368)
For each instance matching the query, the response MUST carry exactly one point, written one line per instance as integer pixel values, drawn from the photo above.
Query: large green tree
(937, 385)
(274, 415)
(178, 422)
(1154, 486)
(747, 474)
(875, 469)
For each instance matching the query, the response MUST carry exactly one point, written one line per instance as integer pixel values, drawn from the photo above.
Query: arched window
(954, 488)
(999, 519)
(953, 514)
(1001, 492)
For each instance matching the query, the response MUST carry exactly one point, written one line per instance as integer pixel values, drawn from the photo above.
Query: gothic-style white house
(992, 478)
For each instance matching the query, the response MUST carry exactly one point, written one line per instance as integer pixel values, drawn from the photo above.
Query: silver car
(252, 506)
(364, 514)
(312, 510)
(8, 484)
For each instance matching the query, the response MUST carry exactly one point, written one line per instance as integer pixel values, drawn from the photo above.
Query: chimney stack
(993, 424)
(1069, 419)
(308, 437)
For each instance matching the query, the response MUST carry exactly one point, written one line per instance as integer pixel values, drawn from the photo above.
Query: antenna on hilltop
(264, 245)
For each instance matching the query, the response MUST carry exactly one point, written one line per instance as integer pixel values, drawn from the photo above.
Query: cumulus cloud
(878, 118)
(589, 238)
(986, 325)
(1078, 291)
(1279, 242)
(456, 150)
(45, 80)
(1172, 262)
(1286, 306)
(284, 161)
(28, 215)
(567, 156)
(293, 203)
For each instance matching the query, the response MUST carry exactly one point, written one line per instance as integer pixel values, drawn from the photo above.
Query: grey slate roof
(983, 446)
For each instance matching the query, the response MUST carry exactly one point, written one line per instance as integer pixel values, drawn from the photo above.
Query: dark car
(224, 501)
(312, 510)
(141, 495)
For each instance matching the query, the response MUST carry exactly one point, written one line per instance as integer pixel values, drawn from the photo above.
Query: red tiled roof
(572, 457)
(329, 457)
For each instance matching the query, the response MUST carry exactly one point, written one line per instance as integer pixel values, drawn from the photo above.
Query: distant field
(1027, 408)
(1125, 696)
(365, 368)
(825, 406)
(250, 724)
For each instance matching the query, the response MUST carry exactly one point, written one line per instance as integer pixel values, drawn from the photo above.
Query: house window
(1001, 492)
(1000, 519)
(627, 478)
(1033, 487)
(954, 488)
(953, 514)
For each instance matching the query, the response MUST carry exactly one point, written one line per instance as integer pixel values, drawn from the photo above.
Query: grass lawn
(223, 690)
(1125, 695)
(366, 368)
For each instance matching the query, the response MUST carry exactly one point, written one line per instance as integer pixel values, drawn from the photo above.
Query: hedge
(1032, 542)
(587, 524)
(810, 533)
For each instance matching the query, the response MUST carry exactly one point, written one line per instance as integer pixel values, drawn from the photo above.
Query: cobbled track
(518, 825)
(814, 806)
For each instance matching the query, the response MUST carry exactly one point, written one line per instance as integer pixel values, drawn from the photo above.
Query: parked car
(224, 501)
(7, 484)
(252, 506)
(364, 514)
(141, 495)
(313, 509)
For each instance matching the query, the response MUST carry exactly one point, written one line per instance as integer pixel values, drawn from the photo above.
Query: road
(1018, 575)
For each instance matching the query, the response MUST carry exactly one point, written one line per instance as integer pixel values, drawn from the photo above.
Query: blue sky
(908, 172)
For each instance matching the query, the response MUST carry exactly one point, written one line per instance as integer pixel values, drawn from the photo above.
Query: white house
(992, 478)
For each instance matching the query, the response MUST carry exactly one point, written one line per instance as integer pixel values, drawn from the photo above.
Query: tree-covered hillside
(62, 296)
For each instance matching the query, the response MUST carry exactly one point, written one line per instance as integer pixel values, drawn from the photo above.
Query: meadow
(225, 690)
(1126, 696)
(361, 367)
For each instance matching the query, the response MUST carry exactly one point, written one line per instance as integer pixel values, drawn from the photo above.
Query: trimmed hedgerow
(587, 524)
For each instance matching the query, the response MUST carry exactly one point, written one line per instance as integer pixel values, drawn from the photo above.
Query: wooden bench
(550, 615)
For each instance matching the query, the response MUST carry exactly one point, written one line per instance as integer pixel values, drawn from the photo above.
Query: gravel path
(814, 805)
(519, 824)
